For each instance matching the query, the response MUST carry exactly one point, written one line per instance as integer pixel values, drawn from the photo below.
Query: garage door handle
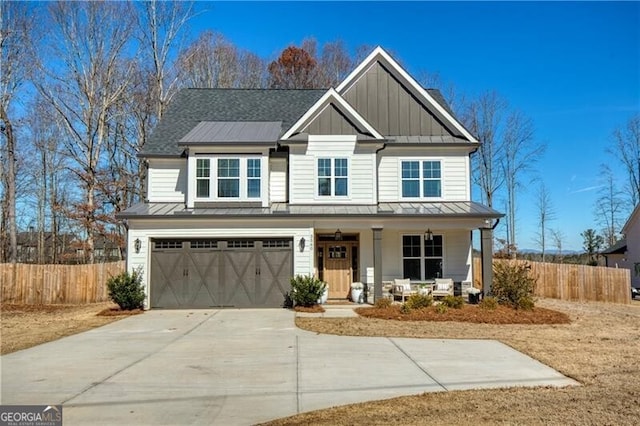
(257, 271)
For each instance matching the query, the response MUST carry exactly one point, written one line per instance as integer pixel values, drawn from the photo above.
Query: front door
(338, 265)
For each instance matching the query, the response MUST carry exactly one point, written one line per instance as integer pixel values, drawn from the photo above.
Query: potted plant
(356, 292)
(424, 289)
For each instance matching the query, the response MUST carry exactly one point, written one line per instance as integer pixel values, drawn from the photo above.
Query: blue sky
(573, 68)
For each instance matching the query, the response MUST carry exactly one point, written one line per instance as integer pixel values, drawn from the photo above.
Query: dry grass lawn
(600, 348)
(24, 326)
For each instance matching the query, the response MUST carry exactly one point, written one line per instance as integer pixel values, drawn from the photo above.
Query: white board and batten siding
(457, 256)
(455, 173)
(304, 172)
(167, 180)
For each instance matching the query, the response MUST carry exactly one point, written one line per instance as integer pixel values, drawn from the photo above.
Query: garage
(220, 273)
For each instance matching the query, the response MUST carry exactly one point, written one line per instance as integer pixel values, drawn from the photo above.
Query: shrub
(489, 303)
(441, 308)
(455, 302)
(418, 301)
(382, 303)
(405, 308)
(126, 290)
(306, 290)
(513, 284)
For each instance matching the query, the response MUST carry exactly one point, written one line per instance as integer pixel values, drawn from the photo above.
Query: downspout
(384, 145)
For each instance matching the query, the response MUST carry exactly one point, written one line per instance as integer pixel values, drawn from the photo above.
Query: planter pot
(356, 295)
(325, 296)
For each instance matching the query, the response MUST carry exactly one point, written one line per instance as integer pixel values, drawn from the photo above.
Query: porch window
(422, 259)
(421, 179)
(333, 177)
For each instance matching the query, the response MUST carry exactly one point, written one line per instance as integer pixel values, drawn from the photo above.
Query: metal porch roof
(448, 209)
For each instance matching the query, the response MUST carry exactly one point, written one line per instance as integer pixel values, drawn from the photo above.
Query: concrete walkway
(242, 367)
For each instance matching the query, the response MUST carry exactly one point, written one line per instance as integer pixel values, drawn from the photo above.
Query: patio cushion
(442, 287)
(405, 283)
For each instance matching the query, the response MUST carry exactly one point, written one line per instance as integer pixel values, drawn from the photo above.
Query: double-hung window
(421, 258)
(333, 177)
(421, 179)
(228, 178)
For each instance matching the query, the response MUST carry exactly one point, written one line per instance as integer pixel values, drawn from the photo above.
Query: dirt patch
(469, 313)
(24, 326)
(600, 348)
(315, 309)
(117, 312)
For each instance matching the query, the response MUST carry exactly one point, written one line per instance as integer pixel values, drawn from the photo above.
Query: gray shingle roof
(191, 106)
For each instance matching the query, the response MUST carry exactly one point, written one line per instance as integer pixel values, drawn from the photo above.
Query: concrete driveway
(242, 367)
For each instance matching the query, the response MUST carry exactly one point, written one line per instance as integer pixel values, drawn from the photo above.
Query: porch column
(486, 246)
(377, 263)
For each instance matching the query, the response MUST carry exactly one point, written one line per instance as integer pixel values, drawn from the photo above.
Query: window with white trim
(228, 178)
(333, 177)
(421, 179)
(421, 258)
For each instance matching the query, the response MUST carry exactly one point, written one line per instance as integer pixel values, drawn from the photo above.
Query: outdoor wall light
(137, 244)
(338, 235)
(428, 235)
(301, 244)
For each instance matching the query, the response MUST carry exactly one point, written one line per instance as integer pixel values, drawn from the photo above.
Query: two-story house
(368, 181)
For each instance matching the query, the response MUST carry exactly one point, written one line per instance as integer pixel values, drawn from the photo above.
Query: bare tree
(609, 207)
(519, 153)
(90, 40)
(546, 214)
(626, 149)
(252, 71)
(15, 28)
(159, 25)
(334, 64)
(483, 117)
(211, 61)
(557, 238)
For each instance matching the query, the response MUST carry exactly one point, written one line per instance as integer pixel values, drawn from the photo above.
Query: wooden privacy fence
(574, 282)
(65, 284)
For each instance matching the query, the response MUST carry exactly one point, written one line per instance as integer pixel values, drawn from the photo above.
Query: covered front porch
(377, 252)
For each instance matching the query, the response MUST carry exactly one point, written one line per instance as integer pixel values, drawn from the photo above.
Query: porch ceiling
(448, 209)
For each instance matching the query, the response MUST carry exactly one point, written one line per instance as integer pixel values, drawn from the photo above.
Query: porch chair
(443, 287)
(402, 288)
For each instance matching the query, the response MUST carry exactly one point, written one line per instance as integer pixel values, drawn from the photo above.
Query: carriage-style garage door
(237, 273)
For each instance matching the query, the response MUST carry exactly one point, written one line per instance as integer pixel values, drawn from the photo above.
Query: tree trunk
(11, 186)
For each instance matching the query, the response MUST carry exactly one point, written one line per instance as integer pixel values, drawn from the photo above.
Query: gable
(332, 115)
(395, 104)
(331, 121)
(387, 104)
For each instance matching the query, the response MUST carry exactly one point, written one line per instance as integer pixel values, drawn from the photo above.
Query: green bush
(455, 302)
(405, 309)
(441, 308)
(126, 290)
(382, 303)
(513, 284)
(418, 301)
(306, 290)
(489, 303)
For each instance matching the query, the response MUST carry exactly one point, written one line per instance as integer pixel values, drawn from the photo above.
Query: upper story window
(421, 179)
(235, 178)
(333, 177)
